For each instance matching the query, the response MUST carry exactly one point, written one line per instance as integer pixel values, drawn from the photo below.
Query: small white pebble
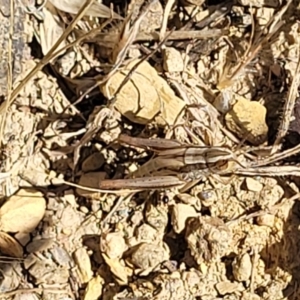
(253, 185)
(180, 213)
(265, 220)
(173, 61)
(84, 209)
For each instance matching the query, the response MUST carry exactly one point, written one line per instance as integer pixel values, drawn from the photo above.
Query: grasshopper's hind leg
(155, 165)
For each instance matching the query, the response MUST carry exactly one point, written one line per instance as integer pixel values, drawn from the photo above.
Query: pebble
(66, 231)
(190, 200)
(242, 267)
(146, 97)
(95, 205)
(227, 287)
(69, 197)
(41, 269)
(26, 296)
(173, 61)
(61, 256)
(253, 185)
(266, 220)
(94, 288)
(247, 119)
(83, 263)
(10, 280)
(180, 213)
(84, 209)
(38, 245)
(113, 244)
(94, 162)
(146, 255)
(270, 196)
(146, 232)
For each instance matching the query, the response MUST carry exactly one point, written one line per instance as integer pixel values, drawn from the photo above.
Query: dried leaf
(10, 246)
(22, 212)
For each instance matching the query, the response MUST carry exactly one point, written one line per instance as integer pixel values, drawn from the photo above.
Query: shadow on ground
(285, 255)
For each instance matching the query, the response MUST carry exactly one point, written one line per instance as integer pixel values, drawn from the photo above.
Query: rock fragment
(247, 119)
(180, 213)
(242, 267)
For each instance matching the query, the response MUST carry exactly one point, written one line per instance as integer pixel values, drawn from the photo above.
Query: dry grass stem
(166, 14)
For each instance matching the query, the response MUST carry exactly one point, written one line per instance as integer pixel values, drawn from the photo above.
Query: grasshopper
(174, 164)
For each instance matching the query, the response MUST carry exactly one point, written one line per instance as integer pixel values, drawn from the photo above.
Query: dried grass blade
(147, 183)
(127, 36)
(164, 22)
(159, 163)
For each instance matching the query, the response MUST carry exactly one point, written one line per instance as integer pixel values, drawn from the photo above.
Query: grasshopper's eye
(222, 164)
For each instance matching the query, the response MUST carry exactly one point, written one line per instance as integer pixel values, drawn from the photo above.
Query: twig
(142, 183)
(171, 35)
(255, 258)
(270, 171)
(216, 12)
(164, 22)
(127, 37)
